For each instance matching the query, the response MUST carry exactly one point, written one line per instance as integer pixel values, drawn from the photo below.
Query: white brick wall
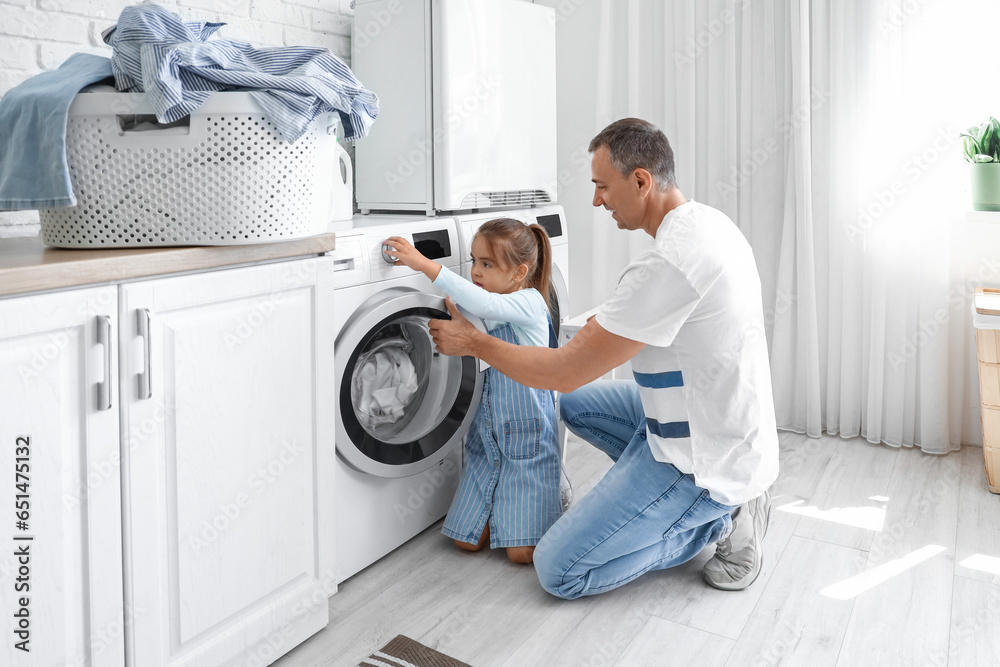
(38, 35)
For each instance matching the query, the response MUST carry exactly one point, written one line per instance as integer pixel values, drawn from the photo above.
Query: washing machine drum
(402, 407)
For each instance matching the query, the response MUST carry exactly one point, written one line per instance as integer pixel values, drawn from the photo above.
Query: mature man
(693, 437)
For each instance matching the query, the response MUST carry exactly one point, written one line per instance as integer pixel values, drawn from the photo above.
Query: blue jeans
(643, 515)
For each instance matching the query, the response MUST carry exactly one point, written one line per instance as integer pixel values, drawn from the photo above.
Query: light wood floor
(874, 556)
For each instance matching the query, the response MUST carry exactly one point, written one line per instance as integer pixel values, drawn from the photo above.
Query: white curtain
(828, 131)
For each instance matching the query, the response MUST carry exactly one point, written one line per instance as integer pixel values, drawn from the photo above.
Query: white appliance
(553, 219)
(396, 474)
(467, 113)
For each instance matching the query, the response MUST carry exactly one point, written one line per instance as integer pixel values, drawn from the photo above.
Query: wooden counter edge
(28, 266)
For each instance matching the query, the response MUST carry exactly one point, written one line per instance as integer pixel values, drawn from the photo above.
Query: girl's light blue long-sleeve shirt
(525, 309)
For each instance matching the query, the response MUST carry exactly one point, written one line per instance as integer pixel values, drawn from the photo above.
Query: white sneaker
(739, 555)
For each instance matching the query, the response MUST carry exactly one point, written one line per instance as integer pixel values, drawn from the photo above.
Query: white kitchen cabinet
(180, 478)
(59, 429)
(227, 458)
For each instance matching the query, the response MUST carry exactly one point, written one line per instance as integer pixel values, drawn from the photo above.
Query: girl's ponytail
(542, 278)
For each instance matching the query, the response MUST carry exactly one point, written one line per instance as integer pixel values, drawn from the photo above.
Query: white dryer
(398, 449)
(553, 219)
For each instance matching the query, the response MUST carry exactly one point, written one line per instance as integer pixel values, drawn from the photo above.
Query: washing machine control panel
(386, 257)
(380, 261)
(434, 244)
(436, 239)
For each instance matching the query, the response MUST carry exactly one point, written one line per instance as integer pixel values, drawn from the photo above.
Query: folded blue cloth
(168, 59)
(33, 169)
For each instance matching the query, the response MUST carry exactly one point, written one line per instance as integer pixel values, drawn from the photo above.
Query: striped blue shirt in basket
(171, 61)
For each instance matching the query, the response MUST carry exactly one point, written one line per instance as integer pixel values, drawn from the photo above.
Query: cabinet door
(61, 569)
(228, 415)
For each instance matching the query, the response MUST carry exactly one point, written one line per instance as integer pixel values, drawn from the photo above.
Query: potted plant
(982, 150)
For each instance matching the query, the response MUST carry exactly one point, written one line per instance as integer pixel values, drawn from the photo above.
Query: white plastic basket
(227, 178)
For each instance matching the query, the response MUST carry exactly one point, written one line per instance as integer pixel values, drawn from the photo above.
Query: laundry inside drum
(401, 389)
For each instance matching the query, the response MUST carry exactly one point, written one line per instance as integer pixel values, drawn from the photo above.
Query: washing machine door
(402, 406)
(558, 298)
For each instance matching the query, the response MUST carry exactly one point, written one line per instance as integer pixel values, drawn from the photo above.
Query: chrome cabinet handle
(145, 378)
(104, 339)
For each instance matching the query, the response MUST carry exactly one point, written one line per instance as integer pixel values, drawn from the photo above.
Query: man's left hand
(455, 337)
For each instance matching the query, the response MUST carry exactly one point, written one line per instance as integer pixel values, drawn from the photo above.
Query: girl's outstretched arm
(521, 307)
(517, 308)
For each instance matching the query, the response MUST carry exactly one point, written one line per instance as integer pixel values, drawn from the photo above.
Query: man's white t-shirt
(694, 299)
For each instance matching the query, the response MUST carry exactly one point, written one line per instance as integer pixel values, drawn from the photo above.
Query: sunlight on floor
(854, 586)
(983, 563)
(869, 518)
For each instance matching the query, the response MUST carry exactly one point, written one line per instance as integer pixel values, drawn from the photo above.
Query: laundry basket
(986, 318)
(222, 176)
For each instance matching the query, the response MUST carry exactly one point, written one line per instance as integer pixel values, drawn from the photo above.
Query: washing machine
(403, 409)
(553, 219)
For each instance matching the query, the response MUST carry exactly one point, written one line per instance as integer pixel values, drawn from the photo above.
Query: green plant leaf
(993, 148)
(976, 133)
(981, 143)
(969, 146)
(986, 140)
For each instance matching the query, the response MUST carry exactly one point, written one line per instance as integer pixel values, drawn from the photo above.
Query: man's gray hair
(633, 144)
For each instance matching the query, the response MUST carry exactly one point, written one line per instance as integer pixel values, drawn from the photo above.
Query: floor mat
(404, 652)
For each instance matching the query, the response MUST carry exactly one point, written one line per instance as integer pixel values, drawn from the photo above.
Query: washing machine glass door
(402, 407)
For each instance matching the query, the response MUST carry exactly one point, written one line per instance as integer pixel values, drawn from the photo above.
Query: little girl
(509, 490)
